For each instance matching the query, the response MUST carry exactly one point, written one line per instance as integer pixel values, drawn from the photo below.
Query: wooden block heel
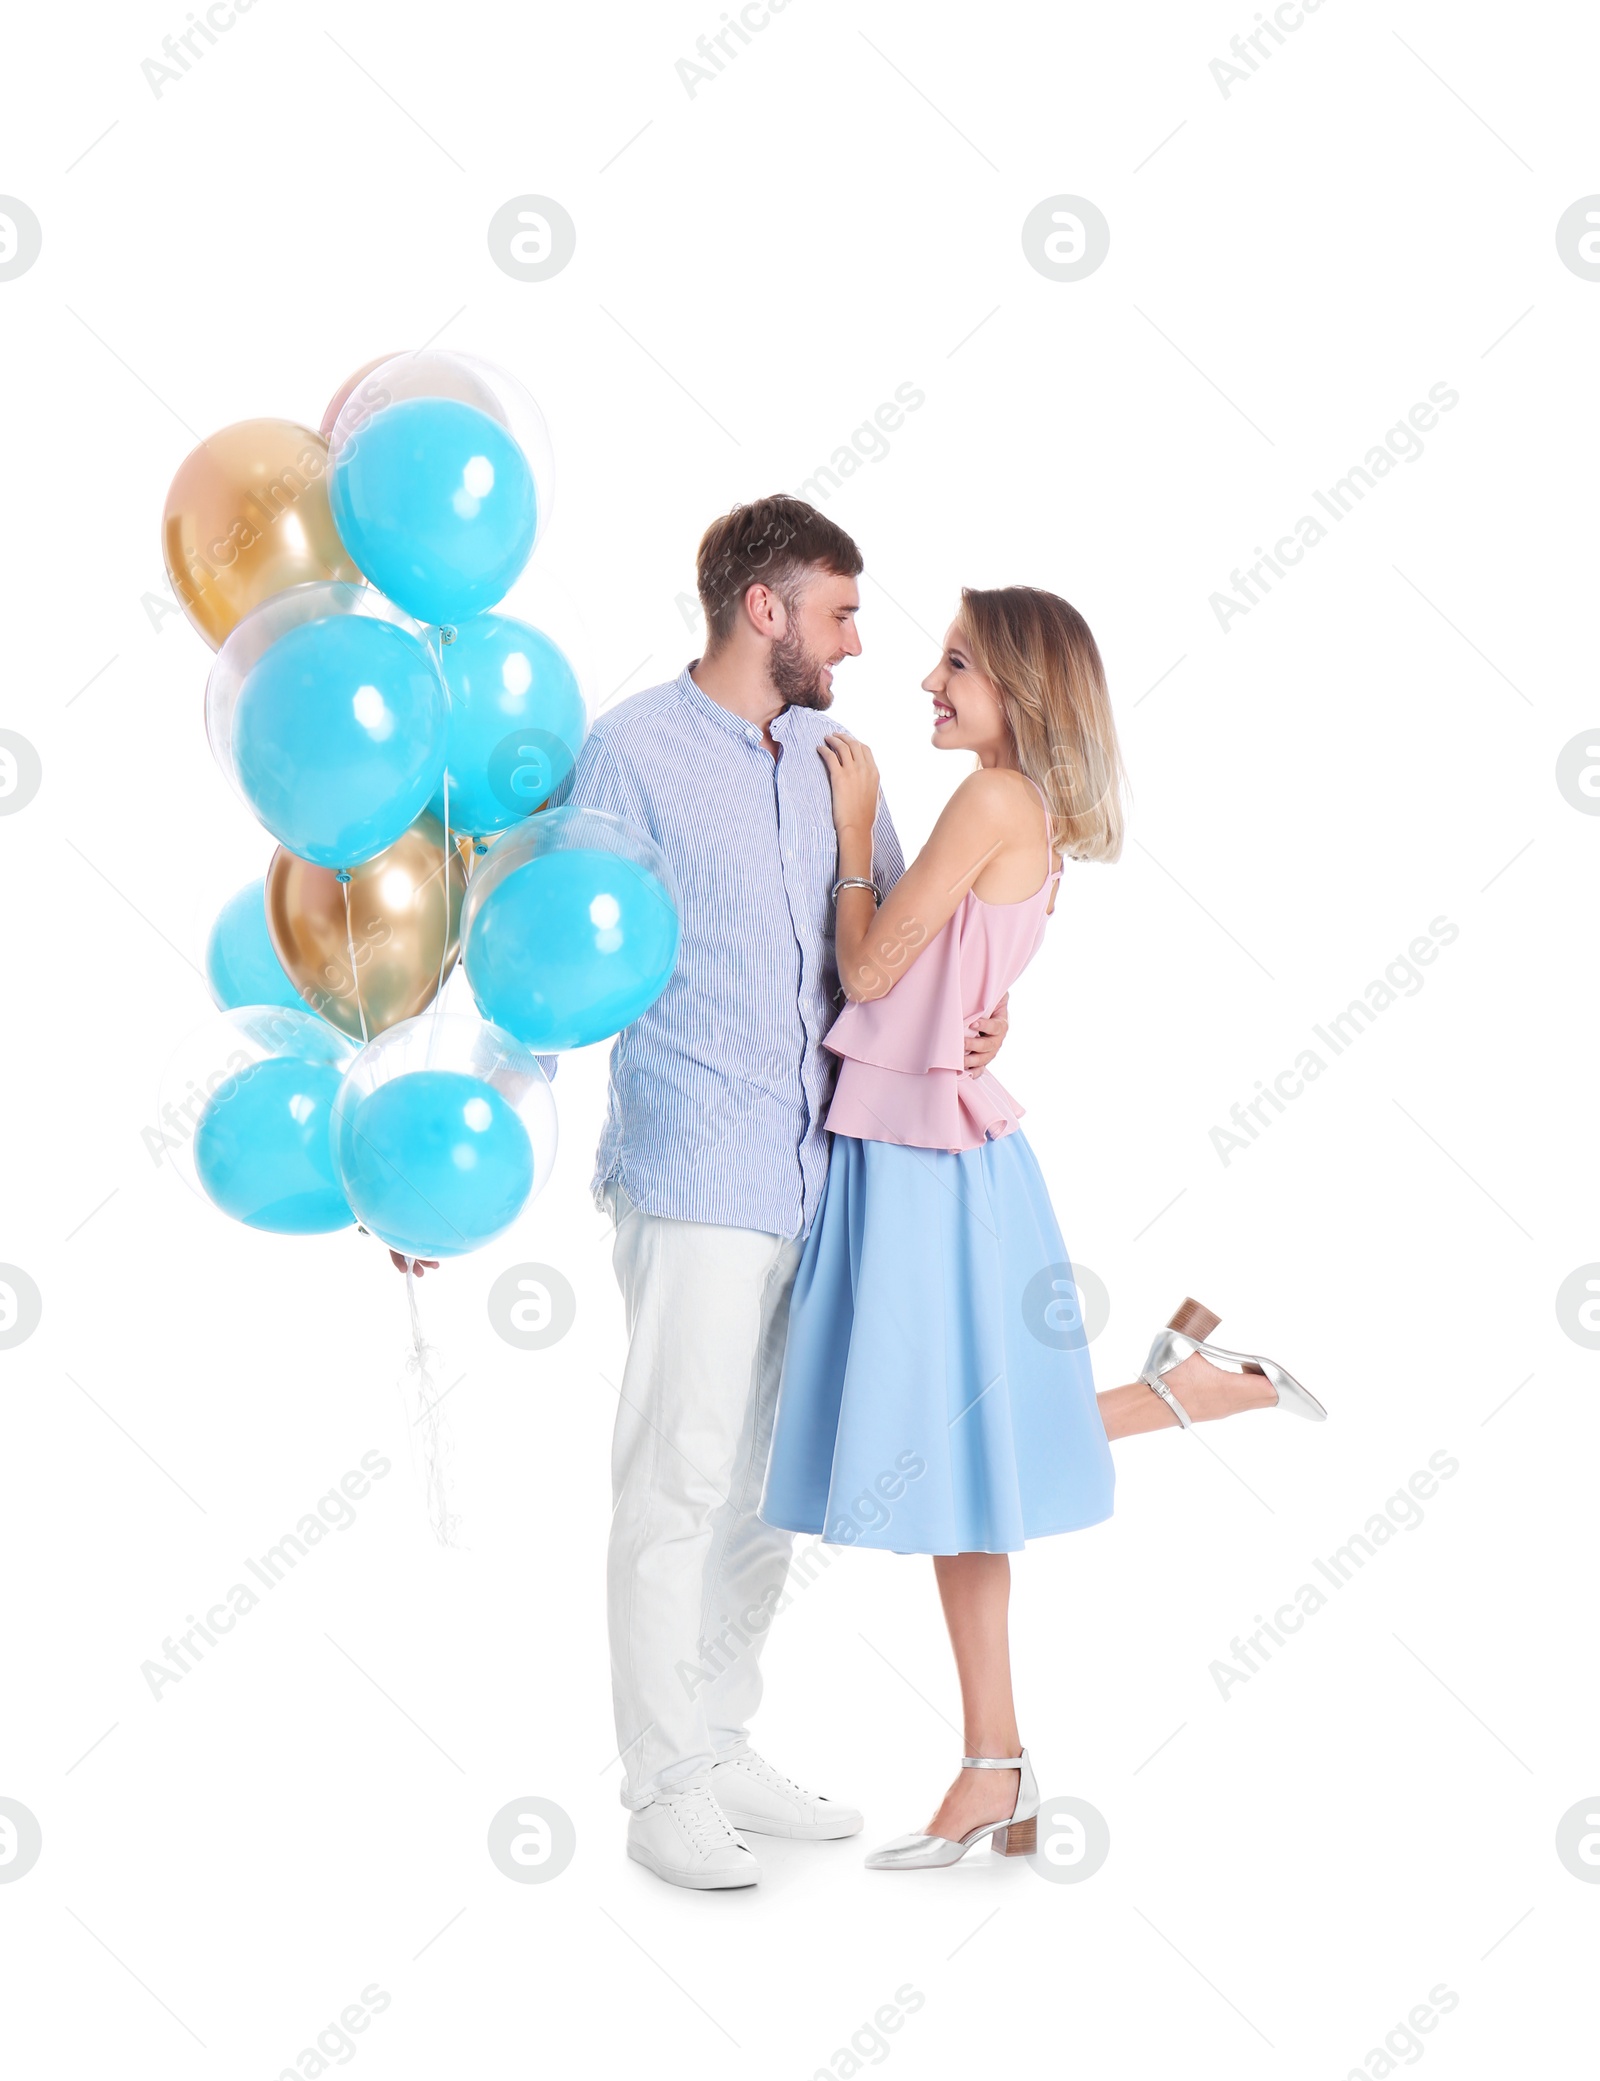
(1021, 1839)
(1195, 1320)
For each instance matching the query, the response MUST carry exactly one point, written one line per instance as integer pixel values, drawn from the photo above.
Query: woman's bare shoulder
(998, 796)
(1000, 812)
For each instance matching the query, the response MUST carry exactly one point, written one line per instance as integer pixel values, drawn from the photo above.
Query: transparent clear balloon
(570, 928)
(459, 1045)
(563, 830)
(261, 628)
(336, 403)
(430, 372)
(215, 1053)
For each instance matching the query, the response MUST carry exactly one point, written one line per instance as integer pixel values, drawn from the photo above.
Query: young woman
(934, 1399)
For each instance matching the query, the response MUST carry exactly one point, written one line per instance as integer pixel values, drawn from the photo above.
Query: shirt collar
(734, 724)
(779, 725)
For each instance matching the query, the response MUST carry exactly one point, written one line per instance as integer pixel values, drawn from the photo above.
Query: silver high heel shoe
(1186, 1333)
(1016, 1836)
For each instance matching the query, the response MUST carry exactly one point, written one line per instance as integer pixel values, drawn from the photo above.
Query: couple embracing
(826, 1214)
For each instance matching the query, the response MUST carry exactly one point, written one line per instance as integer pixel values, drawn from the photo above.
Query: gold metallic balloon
(247, 516)
(397, 917)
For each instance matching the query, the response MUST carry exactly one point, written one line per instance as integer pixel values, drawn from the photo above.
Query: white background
(758, 266)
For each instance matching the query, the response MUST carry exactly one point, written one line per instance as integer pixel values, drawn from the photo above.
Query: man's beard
(797, 675)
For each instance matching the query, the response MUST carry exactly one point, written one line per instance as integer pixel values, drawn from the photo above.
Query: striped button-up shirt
(718, 1091)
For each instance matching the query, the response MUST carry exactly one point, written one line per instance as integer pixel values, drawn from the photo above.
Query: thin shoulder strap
(1051, 868)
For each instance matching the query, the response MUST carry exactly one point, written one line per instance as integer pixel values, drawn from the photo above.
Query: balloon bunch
(400, 740)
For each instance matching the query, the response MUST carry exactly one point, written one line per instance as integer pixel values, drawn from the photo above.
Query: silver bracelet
(854, 881)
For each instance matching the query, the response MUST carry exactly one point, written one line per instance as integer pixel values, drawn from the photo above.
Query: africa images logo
(1402, 442)
(1402, 977)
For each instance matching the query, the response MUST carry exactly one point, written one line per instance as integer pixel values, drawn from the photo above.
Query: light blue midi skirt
(935, 1399)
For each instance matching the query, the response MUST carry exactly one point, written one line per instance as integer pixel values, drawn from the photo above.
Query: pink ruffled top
(901, 1077)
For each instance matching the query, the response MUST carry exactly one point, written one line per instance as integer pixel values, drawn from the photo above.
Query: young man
(712, 1165)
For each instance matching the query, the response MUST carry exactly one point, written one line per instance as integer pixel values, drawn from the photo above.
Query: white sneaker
(685, 1838)
(762, 1801)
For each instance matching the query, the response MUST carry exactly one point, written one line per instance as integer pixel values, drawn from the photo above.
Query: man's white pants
(693, 1575)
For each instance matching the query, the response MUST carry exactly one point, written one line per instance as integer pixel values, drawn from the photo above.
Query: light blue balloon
(434, 1161)
(571, 947)
(242, 965)
(437, 504)
(339, 737)
(261, 1149)
(516, 721)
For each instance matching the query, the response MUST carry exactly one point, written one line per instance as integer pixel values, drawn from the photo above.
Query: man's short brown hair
(769, 542)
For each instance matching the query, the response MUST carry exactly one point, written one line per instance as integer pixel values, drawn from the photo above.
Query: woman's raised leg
(1206, 1391)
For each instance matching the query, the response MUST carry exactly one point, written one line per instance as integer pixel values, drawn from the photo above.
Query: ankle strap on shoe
(993, 1762)
(1158, 1386)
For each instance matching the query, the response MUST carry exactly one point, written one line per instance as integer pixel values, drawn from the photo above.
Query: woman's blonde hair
(1040, 654)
